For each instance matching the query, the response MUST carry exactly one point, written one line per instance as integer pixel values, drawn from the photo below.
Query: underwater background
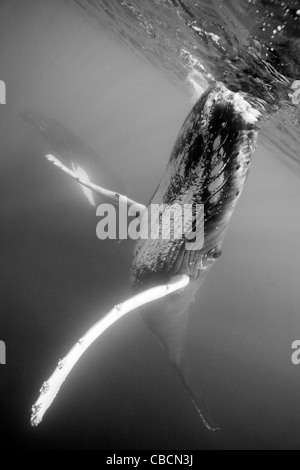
(108, 84)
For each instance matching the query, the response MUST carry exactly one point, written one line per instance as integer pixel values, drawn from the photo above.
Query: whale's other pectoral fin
(79, 175)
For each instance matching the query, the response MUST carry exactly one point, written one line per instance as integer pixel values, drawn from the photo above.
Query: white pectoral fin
(79, 175)
(55, 161)
(82, 175)
(51, 387)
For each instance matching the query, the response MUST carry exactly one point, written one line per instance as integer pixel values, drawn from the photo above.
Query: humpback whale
(209, 165)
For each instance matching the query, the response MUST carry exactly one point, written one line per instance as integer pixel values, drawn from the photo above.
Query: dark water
(56, 277)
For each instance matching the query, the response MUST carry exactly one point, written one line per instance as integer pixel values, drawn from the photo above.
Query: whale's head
(208, 167)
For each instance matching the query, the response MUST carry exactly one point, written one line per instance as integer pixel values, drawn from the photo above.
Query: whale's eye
(215, 253)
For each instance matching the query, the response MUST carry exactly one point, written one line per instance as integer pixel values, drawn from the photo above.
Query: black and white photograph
(150, 227)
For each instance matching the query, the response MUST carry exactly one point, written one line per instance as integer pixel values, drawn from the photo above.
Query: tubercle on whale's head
(209, 165)
(248, 112)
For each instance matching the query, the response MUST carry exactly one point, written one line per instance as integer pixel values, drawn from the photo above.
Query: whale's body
(209, 165)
